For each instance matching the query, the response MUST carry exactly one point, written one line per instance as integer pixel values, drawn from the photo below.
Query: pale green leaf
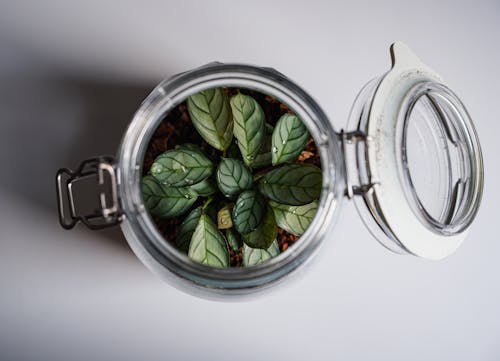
(211, 116)
(248, 211)
(186, 230)
(165, 201)
(255, 256)
(265, 233)
(208, 245)
(249, 129)
(289, 139)
(292, 184)
(233, 177)
(205, 188)
(294, 219)
(181, 167)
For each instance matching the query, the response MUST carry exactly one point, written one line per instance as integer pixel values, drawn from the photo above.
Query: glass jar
(410, 160)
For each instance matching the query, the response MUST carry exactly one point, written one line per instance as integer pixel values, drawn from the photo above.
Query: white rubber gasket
(417, 238)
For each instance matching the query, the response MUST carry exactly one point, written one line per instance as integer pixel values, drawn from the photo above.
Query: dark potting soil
(177, 128)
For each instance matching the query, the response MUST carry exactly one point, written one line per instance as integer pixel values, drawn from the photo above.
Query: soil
(177, 129)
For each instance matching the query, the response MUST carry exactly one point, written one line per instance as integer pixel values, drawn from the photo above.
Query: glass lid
(416, 161)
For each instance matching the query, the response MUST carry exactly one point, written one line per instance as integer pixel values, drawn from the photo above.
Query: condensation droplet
(283, 142)
(188, 196)
(275, 150)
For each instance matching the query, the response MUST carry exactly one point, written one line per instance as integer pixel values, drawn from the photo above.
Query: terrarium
(409, 158)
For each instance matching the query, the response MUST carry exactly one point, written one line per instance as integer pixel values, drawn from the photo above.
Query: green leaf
(248, 211)
(233, 238)
(211, 115)
(292, 184)
(233, 177)
(264, 157)
(265, 233)
(224, 220)
(254, 256)
(208, 245)
(249, 130)
(164, 201)
(186, 230)
(181, 167)
(205, 188)
(294, 219)
(289, 138)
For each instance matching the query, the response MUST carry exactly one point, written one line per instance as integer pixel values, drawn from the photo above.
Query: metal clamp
(353, 138)
(89, 194)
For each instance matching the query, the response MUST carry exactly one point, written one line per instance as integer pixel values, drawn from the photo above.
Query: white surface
(71, 76)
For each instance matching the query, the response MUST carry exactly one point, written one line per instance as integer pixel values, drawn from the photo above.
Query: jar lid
(418, 160)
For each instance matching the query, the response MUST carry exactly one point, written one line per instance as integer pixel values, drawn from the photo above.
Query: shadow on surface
(49, 122)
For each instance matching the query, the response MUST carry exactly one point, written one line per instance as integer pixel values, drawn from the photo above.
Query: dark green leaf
(205, 188)
(186, 230)
(224, 220)
(164, 201)
(264, 157)
(211, 115)
(233, 177)
(249, 130)
(292, 184)
(289, 138)
(254, 256)
(248, 211)
(208, 245)
(181, 167)
(294, 219)
(233, 238)
(265, 233)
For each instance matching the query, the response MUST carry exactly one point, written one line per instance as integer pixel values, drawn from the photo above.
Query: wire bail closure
(89, 194)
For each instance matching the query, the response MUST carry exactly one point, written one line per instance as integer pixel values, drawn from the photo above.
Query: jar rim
(161, 256)
(465, 187)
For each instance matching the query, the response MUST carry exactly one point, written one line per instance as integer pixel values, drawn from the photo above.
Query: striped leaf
(211, 116)
(181, 167)
(205, 188)
(248, 211)
(186, 230)
(249, 126)
(289, 139)
(294, 219)
(255, 256)
(233, 177)
(265, 233)
(208, 245)
(264, 157)
(164, 201)
(292, 184)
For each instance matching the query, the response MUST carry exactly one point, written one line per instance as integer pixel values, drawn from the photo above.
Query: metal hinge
(353, 140)
(89, 194)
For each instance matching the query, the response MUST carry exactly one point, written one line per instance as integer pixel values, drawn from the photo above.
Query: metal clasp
(350, 163)
(89, 194)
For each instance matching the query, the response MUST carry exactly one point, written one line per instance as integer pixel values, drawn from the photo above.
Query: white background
(71, 76)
